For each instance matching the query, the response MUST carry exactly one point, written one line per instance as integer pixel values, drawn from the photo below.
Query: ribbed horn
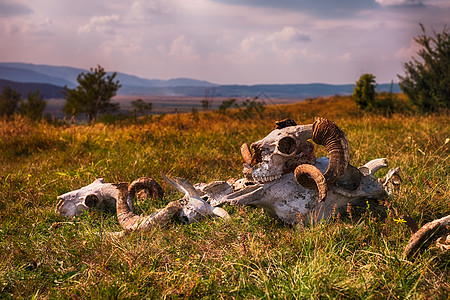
(310, 177)
(325, 133)
(128, 220)
(246, 154)
(426, 235)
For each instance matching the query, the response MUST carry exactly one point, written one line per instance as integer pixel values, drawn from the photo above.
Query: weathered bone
(194, 208)
(286, 147)
(436, 230)
(97, 194)
(100, 195)
(289, 201)
(131, 222)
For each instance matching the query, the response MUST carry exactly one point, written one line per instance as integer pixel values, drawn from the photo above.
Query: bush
(364, 92)
(427, 82)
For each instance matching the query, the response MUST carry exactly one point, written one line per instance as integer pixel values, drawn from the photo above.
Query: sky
(222, 41)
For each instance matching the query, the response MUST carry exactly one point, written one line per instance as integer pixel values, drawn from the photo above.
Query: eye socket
(287, 145)
(91, 201)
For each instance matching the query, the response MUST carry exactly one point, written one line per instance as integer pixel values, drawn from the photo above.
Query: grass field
(45, 256)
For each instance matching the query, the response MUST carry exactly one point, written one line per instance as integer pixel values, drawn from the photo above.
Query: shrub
(427, 81)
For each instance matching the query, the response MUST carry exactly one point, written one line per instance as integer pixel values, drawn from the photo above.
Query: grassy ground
(250, 256)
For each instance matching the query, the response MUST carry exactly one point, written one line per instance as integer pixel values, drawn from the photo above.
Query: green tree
(427, 81)
(364, 92)
(205, 104)
(9, 101)
(141, 107)
(93, 94)
(226, 104)
(33, 106)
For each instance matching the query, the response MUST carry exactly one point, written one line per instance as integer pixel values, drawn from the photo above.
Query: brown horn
(314, 179)
(145, 183)
(327, 134)
(128, 220)
(246, 154)
(427, 234)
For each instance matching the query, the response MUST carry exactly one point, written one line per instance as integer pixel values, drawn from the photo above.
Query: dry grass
(249, 256)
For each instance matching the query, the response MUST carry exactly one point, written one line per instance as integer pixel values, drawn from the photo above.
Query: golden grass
(249, 256)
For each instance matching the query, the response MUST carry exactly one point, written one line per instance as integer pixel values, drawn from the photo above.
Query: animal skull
(191, 208)
(97, 194)
(100, 195)
(287, 147)
(289, 201)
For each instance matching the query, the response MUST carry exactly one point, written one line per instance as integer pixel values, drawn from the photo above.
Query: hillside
(48, 91)
(133, 85)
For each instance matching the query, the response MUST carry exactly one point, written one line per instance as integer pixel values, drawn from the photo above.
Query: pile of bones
(281, 175)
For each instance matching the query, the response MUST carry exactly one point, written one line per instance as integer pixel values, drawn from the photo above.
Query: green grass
(250, 256)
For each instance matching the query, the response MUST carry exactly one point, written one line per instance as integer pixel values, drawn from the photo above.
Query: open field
(166, 104)
(251, 256)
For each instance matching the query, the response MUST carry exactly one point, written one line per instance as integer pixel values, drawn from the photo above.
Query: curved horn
(427, 234)
(328, 134)
(315, 176)
(246, 154)
(128, 220)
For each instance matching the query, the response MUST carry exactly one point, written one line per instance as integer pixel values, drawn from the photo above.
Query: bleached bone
(98, 194)
(287, 148)
(194, 208)
(291, 185)
(289, 201)
(191, 208)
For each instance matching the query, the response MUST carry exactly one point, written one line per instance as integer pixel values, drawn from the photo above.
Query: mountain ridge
(53, 78)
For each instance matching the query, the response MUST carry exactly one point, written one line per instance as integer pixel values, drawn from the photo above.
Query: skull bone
(280, 152)
(97, 194)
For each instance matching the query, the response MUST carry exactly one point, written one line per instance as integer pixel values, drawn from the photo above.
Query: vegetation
(427, 81)
(33, 107)
(364, 92)
(250, 256)
(140, 107)
(11, 103)
(93, 94)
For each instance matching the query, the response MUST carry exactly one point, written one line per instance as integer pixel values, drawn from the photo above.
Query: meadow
(250, 256)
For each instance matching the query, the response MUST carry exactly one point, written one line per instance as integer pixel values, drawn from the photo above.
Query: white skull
(280, 152)
(97, 194)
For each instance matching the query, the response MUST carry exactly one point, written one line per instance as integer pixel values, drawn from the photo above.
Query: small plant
(364, 92)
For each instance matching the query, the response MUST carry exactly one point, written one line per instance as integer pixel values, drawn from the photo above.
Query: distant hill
(48, 91)
(53, 78)
(60, 76)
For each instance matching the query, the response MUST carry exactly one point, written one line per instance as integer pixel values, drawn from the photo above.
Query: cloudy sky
(222, 41)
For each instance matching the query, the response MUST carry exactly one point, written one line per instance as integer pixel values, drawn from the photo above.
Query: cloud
(11, 9)
(289, 34)
(183, 49)
(400, 2)
(103, 24)
(329, 8)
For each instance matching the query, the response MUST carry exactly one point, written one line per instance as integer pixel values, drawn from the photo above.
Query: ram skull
(288, 182)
